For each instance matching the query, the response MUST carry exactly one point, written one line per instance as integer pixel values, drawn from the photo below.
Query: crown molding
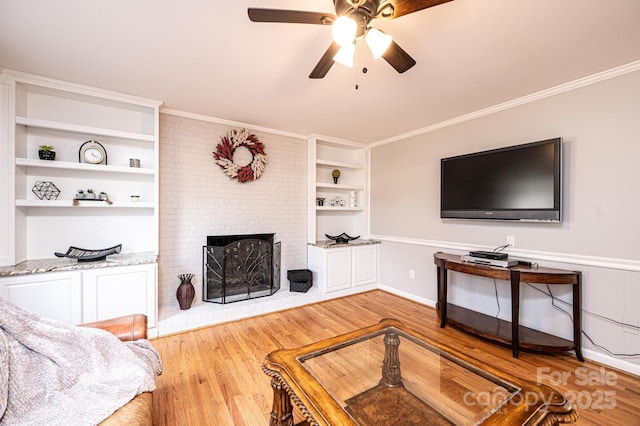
(562, 88)
(231, 123)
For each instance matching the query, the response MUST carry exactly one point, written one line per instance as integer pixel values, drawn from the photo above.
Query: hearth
(240, 267)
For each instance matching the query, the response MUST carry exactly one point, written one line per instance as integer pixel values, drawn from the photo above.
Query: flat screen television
(521, 182)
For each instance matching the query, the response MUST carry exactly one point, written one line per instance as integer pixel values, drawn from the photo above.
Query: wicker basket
(300, 280)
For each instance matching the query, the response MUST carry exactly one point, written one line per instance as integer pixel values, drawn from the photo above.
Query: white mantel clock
(92, 152)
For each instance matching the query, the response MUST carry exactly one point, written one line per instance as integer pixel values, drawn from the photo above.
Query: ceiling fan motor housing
(368, 8)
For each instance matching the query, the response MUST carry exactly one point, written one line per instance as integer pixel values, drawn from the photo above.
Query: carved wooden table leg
(391, 365)
(281, 411)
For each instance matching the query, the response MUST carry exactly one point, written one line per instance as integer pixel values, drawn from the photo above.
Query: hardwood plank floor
(213, 376)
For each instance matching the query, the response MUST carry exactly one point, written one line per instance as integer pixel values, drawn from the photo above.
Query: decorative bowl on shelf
(89, 255)
(342, 238)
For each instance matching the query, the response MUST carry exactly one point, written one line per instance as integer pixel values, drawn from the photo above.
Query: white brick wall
(197, 199)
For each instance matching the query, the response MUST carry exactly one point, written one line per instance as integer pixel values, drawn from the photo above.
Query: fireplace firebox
(240, 267)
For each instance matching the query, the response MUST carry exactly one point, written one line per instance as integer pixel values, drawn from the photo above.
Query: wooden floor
(213, 376)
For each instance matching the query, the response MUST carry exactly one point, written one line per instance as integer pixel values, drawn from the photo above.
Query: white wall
(197, 199)
(599, 234)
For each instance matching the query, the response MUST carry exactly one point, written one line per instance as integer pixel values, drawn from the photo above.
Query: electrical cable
(500, 248)
(611, 320)
(553, 298)
(607, 350)
(495, 287)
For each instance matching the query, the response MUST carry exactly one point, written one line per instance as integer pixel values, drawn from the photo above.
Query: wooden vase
(185, 292)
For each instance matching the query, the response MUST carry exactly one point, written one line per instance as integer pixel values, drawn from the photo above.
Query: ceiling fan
(352, 20)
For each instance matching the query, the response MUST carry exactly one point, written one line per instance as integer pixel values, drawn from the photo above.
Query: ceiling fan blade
(405, 7)
(290, 16)
(398, 58)
(326, 62)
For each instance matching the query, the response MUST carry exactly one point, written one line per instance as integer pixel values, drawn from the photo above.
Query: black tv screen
(519, 182)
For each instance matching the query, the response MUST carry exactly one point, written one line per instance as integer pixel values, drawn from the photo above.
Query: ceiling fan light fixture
(344, 30)
(377, 41)
(345, 55)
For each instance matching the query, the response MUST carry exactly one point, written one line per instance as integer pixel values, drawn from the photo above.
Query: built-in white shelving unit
(337, 214)
(45, 111)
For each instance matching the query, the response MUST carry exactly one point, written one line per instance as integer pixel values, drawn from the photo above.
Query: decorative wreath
(224, 155)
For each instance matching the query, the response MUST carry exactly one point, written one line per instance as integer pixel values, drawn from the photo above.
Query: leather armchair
(139, 410)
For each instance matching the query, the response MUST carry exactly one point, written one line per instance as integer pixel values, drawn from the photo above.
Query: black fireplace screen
(240, 267)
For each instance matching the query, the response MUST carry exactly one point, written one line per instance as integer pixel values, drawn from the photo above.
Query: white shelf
(329, 163)
(83, 204)
(342, 209)
(67, 165)
(339, 186)
(75, 128)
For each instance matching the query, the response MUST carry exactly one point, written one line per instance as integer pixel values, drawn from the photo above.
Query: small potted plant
(80, 194)
(90, 195)
(335, 174)
(46, 152)
(103, 195)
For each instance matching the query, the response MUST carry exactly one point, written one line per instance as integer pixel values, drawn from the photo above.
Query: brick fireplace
(240, 267)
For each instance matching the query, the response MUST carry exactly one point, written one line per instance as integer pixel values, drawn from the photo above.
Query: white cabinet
(345, 202)
(338, 269)
(77, 297)
(44, 111)
(365, 261)
(346, 269)
(54, 295)
(114, 292)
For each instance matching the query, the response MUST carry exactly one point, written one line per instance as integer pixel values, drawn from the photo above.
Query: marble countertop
(58, 264)
(326, 244)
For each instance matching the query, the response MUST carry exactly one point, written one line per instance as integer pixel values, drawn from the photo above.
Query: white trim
(7, 168)
(38, 80)
(408, 296)
(338, 141)
(618, 363)
(232, 123)
(573, 259)
(586, 81)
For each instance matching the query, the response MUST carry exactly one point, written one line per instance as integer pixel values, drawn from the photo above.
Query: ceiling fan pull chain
(355, 65)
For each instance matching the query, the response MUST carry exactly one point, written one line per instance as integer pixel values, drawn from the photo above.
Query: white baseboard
(409, 296)
(620, 364)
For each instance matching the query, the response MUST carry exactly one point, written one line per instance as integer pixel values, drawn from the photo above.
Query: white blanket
(52, 373)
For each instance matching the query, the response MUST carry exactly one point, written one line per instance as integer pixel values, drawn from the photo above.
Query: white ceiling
(206, 57)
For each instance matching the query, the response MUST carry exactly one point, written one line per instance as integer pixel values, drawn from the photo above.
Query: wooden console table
(512, 334)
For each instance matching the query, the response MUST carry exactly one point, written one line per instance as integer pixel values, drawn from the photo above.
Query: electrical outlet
(412, 274)
(511, 240)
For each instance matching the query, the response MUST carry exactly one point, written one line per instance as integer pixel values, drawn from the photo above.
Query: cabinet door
(365, 265)
(338, 269)
(113, 292)
(55, 295)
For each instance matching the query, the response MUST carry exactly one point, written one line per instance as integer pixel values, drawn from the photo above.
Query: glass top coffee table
(387, 374)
